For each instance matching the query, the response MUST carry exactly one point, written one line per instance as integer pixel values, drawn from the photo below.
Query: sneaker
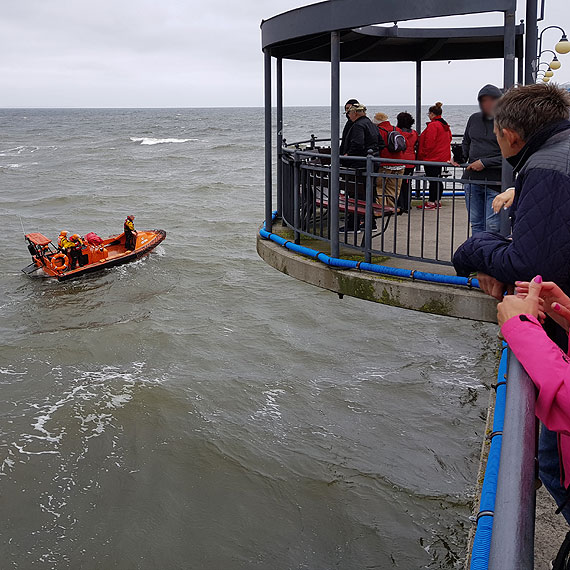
(428, 206)
(344, 229)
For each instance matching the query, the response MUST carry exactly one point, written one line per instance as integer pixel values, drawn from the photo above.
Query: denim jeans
(479, 201)
(549, 468)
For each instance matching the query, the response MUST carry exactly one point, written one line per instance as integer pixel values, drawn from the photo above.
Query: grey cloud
(176, 53)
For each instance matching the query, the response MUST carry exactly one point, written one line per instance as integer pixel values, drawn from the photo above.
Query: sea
(198, 409)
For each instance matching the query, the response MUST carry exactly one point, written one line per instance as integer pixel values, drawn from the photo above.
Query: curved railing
(377, 209)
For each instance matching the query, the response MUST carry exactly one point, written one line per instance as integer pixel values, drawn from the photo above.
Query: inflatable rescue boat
(93, 256)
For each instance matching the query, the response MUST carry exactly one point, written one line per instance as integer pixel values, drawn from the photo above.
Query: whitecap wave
(152, 141)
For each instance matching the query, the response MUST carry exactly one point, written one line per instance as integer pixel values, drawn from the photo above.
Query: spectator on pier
(533, 130)
(482, 152)
(361, 137)
(347, 126)
(435, 146)
(394, 146)
(547, 365)
(405, 124)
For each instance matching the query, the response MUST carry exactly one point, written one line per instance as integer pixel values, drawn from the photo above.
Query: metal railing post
(531, 41)
(418, 95)
(512, 542)
(507, 176)
(296, 211)
(368, 213)
(279, 87)
(335, 136)
(268, 142)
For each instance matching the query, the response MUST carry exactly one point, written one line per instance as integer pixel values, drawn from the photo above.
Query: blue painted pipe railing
(482, 542)
(371, 267)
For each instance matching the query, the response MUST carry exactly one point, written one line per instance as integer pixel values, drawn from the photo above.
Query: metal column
(335, 136)
(531, 41)
(419, 96)
(507, 177)
(268, 143)
(512, 542)
(279, 136)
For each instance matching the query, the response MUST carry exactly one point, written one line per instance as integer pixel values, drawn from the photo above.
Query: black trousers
(129, 240)
(404, 195)
(74, 255)
(435, 187)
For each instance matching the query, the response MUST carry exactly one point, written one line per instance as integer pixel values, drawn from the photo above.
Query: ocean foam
(152, 141)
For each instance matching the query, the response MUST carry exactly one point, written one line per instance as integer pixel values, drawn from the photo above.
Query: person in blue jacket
(533, 131)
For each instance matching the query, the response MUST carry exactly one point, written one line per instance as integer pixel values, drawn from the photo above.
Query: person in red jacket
(387, 187)
(435, 146)
(405, 124)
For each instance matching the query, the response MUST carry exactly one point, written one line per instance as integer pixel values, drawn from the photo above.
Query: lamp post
(562, 47)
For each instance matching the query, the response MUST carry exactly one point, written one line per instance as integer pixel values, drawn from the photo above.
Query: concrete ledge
(415, 295)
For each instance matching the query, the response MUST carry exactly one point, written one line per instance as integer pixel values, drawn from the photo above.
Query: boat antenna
(22, 224)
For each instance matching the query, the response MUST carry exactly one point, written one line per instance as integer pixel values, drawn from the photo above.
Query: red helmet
(131, 217)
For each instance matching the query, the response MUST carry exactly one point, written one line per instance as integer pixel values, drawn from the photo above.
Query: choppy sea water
(198, 409)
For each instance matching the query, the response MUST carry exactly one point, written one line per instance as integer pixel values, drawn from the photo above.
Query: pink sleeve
(548, 367)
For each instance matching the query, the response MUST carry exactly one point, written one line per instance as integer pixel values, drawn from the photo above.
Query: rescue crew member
(130, 233)
(75, 250)
(63, 241)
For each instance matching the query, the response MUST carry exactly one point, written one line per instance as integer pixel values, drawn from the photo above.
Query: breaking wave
(153, 141)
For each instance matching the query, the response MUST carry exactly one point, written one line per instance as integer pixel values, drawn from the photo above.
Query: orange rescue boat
(109, 253)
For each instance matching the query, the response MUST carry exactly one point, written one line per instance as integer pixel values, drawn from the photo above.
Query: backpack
(396, 140)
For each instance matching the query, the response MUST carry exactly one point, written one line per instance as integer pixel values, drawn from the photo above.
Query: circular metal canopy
(304, 33)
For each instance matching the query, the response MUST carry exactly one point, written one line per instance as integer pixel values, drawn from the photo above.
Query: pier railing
(504, 537)
(380, 210)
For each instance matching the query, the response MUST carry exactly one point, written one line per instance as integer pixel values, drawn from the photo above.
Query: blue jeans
(549, 468)
(479, 201)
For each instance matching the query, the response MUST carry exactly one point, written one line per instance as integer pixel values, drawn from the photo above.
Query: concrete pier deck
(412, 234)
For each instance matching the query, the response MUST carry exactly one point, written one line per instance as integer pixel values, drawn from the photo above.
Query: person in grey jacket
(482, 177)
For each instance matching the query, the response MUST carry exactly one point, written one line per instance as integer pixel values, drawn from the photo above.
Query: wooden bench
(358, 207)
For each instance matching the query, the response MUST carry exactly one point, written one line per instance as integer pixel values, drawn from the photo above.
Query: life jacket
(129, 225)
(65, 243)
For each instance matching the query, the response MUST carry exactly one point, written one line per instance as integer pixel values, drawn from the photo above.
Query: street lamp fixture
(555, 63)
(563, 46)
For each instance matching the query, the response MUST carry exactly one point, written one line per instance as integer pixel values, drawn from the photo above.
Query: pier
(333, 223)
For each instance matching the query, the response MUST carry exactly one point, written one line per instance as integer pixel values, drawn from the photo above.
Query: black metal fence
(384, 207)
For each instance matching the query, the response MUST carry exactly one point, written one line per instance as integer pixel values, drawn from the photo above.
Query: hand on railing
(516, 305)
(477, 166)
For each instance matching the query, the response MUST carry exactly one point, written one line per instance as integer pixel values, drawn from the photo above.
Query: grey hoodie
(480, 143)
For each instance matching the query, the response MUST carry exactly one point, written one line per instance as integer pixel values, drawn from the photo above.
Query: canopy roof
(304, 33)
(374, 43)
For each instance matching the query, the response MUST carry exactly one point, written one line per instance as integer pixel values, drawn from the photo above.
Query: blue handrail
(482, 541)
(371, 267)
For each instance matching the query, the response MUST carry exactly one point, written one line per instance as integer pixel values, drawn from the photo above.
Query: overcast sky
(181, 53)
